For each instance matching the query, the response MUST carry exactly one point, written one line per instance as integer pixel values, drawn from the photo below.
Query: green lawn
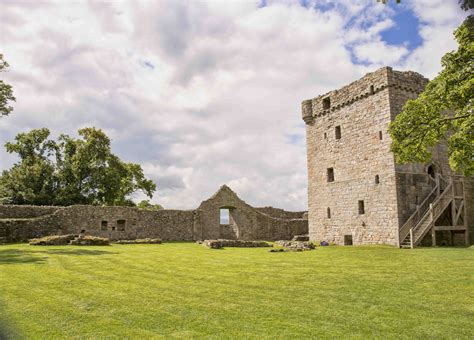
(184, 290)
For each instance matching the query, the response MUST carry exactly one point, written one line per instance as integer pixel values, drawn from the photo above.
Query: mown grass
(184, 290)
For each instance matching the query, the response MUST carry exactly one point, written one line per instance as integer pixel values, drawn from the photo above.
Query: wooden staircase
(444, 194)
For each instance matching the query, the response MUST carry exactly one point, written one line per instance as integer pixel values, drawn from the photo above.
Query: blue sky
(206, 93)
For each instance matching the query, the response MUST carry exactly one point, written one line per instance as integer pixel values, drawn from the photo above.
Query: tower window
(326, 103)
(380, 135)
(329, 212)
(377, 179)
(431, 171)
(330, 174)
(361, 208)
(371, 89)
(338, 132)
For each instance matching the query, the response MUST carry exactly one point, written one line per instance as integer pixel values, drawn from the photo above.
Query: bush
(53, 240)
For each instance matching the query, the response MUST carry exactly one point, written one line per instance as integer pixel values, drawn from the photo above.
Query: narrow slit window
(330, 174)
(338, 132)
(224, 216)
(377, 179)
(326, 103)
(371, 89)
(329, 212)
(380, 135)
(361, 208)
(325, 135)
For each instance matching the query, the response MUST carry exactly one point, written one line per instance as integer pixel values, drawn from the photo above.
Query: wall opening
(121, 225)
(224, 216)
(371, 89)
(325, 135)
(338, 132)
(113, 228)
(377, 179)
(326, 103)
(431, 171)
(361, 208)
(348, 240)
(380, 135)
(83, 231)
(103, 225)
(330, 174)
(329, 212)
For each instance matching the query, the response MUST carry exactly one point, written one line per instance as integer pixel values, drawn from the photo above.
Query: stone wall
(20, 223)
(25, 211)
(362, 112)
(347, 131)
(280, 213)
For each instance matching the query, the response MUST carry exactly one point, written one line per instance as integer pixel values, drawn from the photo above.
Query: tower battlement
(368, 85)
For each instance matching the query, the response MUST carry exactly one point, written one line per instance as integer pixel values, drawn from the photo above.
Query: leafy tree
(443, 111)
(6, 91)
(146, 205)
(70, 171)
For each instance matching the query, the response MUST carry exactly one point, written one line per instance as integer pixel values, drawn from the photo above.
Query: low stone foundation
(140, 241)
(296, 245)
(218, 244)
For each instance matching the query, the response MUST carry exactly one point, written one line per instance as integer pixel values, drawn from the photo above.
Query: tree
(146, 205)
(6, 91)
(70, 171)
(443, 111)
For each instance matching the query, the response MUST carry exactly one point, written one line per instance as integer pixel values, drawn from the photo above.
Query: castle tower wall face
(357, 194)
(348, 134)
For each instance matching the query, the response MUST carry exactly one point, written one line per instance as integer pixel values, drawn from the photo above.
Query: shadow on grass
(7, 329)
(15, 256)
(77, 252)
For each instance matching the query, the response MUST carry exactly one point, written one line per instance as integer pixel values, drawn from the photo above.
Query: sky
(201, 93)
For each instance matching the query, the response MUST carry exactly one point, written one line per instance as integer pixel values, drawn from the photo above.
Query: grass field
(184, 290)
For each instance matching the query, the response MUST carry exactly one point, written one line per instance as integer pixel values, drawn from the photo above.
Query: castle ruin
(357, 194)
(223, 216)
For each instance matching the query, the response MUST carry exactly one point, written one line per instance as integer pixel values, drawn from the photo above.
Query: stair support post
(411, 238)
(433, 231)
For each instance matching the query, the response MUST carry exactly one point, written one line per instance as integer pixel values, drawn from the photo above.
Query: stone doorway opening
(348, 240)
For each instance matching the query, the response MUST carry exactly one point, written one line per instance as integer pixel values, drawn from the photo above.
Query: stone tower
(357, 194)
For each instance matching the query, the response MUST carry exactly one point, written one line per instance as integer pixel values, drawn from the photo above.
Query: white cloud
(200, 94)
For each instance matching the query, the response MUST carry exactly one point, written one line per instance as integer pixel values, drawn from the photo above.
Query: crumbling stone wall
(280, 213)
(20, 223)
(25, 211)
(366, 197)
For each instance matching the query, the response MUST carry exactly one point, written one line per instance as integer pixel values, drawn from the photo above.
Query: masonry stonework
(20, 223)
(357, 194)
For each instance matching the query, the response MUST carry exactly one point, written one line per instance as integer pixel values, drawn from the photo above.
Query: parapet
(368, 85)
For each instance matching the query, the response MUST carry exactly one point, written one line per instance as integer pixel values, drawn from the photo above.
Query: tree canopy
(70, 171)
(443, 111)
(6, 91)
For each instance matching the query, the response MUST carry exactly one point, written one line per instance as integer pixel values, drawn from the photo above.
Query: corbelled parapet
(368, 85)
(307, 110)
